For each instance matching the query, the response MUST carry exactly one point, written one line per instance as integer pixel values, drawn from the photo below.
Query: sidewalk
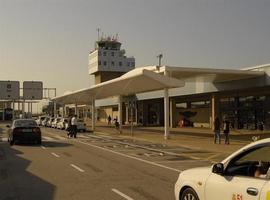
(194, 138)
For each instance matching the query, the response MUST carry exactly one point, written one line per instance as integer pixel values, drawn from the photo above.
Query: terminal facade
(245, 101)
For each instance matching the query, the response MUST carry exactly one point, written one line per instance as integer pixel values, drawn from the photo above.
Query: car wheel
(189, 194)
(11, 142)
(39, 142)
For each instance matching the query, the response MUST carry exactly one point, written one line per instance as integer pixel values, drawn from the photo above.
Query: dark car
(24, 130)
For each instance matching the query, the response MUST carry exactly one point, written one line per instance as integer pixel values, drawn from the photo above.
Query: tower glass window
(104, 63)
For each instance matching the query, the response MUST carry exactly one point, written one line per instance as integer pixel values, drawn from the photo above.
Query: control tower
(108, 60)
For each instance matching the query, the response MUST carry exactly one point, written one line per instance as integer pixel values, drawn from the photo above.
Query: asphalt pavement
(95, 166)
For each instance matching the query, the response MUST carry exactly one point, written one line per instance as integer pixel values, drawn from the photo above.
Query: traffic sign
(32, 90)
(9, 90)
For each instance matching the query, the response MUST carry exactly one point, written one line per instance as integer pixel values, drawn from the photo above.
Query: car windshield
(25, 123)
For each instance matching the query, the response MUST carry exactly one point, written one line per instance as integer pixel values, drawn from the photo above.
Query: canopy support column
(13, 110)
(93, 115)
(120, 111)
(54, 108)
(76, 109)
(3, 113)
(166, 114)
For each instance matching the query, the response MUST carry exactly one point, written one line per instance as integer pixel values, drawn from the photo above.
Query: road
(93, 167)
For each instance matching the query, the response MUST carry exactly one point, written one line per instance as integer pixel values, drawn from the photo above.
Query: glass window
(99, 63)
(128, 64)
(104, 63)
(181, 105)
(112, 63)
(254, 163)
(112, 53)
(104, 53)
(200, 104)
(120, 64)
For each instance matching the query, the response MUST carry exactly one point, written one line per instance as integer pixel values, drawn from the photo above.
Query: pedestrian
(74, 124)
(116, 123)
(217, 130)
(226, 130)
(69, 128)
(109, 120)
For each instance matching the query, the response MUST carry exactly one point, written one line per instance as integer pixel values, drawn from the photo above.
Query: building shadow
(16, 182)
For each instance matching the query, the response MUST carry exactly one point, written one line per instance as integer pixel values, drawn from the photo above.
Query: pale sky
(49, 40)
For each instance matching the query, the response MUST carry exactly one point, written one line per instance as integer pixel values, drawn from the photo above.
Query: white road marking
(132, 157)
(76, 167)
(150, 149)
(4, 139)
(54, 154)
(47, 138)
(60, 137)
(83, 136)
(43, 147)
(121, 194)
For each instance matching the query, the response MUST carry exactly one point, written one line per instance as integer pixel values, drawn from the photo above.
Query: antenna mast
(98, 30)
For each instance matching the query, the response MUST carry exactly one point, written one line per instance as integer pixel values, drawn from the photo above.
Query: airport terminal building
(242, 96)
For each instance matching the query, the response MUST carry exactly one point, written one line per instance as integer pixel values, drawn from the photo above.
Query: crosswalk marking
(59, 137)
(5, 139)
(83, 136)
(44, 138)
(47, 138)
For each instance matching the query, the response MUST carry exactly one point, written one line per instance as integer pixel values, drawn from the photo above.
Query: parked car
(39, 120)
(44, 121)
(243, 175)
(49, 122)
(55, 121)
(81, 126)
(62, 123)
(24, 130)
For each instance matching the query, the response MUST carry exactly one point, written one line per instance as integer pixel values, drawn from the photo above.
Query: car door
(238, 182)
(265, 195)
(233, 187)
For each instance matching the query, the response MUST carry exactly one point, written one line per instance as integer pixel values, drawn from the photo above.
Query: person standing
(69, 128)
(109, 120)
(217, 131)
(226, 130)
(74, 124)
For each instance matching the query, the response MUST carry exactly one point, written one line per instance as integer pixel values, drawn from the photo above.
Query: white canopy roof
(151, 78)
(209, 74)
(136, 81)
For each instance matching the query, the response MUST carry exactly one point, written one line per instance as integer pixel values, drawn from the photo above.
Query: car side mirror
(8, 126)
(218, 168)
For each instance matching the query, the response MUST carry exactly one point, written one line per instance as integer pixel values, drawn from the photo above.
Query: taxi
(244, 175)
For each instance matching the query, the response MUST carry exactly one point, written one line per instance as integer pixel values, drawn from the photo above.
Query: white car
(245, 175)
(39, 120)
(62, 123)
(81, 126)
(55, 121)
(49, 122)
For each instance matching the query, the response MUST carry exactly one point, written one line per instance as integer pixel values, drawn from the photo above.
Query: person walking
(217, 131)
(109, 120)
(69, 130)
(74, 124)
(226, 130)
